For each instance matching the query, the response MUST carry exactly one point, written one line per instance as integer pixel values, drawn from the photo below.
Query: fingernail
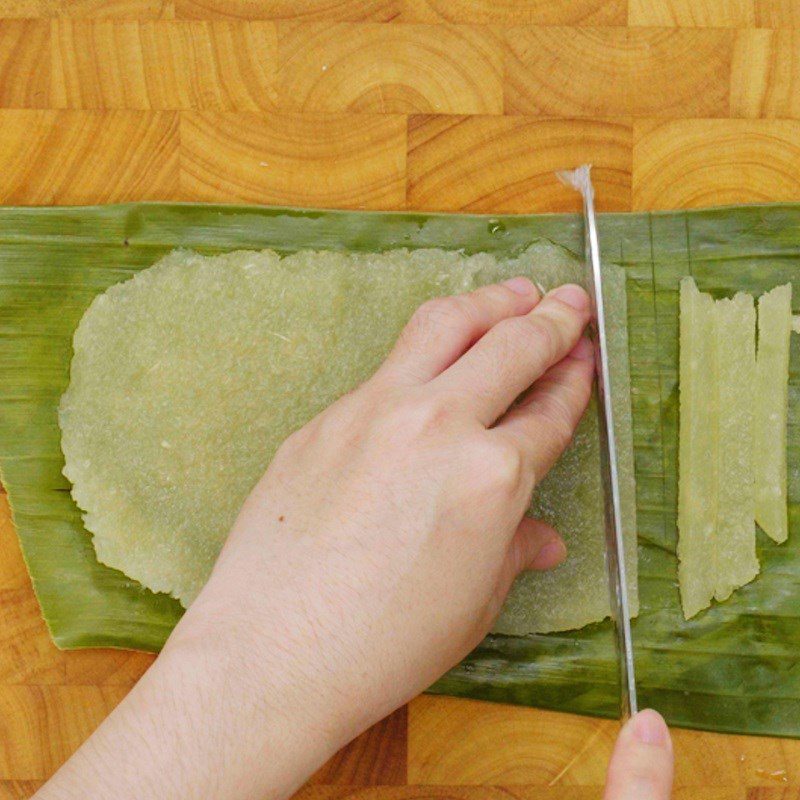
(649, 728)
(572, 295)
(583, 350)
(551, 555)
(520, 285)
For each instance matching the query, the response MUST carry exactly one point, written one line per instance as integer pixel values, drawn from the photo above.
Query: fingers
(515, 352)
(442, 329)
(641, 766)
(536, 545)
(544, 423)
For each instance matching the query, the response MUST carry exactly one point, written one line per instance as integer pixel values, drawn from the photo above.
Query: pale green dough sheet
(716, 492)
(186, 378)
(697, 451)
(772, 408)
(735, 327)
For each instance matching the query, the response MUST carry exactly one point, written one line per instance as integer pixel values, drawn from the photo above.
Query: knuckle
(542, 335)
(561, 315)
(420, 418)
(422, 325)
(494, 295)
(562, 435)
(294, 443)
(499, 467)
(443, 311)
(430, 308)
(558, 419)
(530, 334)
(436, 317)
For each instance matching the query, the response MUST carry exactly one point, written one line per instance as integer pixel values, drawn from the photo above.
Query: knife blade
(580, 180)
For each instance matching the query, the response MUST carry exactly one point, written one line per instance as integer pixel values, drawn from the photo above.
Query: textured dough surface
(772, 408)
(186, 379)
(716, 493)
(735, 323)
(697, 487)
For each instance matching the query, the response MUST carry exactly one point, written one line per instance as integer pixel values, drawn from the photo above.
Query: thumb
(535, 545)
(641, 765)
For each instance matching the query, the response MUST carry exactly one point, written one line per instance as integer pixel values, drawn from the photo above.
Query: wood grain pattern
(24, 63)
(13, 574)
(105, 667)
(74, 157)
(13, 9)
(690, 163)
(435, 104)
(504, 747)
(620, 69)
(330, 10)
(765, 76)
(423, 792)
(341, 160)
(494, 164)
(693, 13)
(714, 13)
(120, 9)
(376, 758)
(27, 655)
(704, 759)
(40, 726)
(489, 744)
(18, 790)
(98, 9)
(517, 12)
(107, 64)
(445, 69)
(777, 13)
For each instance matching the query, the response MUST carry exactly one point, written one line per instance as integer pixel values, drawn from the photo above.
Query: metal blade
(580, 180)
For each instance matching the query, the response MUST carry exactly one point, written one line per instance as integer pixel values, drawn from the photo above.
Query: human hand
(386, 533)
(374, 554)
(642, 764)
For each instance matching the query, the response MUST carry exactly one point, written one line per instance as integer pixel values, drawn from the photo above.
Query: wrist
(264, 692)
(263, 736)
(307, 664)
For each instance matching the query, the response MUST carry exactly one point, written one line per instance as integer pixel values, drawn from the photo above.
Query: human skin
(372, 556)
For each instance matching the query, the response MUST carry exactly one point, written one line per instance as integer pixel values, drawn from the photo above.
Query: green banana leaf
(735, 667)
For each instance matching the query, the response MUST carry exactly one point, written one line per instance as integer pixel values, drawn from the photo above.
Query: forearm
(198, 726)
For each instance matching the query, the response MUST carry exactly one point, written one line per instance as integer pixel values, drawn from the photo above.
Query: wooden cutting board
(429, 104)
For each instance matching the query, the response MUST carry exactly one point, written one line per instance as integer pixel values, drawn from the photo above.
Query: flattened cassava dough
(186, 378)
(735, 554)
(697, 489)
(716, 493)
(772, 408)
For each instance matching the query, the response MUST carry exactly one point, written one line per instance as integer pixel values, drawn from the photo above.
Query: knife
(580, 180)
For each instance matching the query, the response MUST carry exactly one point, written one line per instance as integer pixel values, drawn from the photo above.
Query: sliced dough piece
(618, 352)
(772, 406)
(697, 450)
(735, 334)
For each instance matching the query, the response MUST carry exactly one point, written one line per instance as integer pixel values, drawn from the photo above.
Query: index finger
(514, 353)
